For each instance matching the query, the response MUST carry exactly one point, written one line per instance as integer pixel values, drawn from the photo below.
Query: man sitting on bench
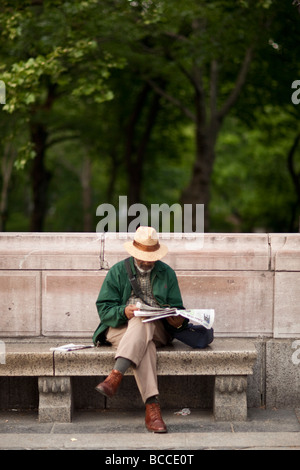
(152, 283)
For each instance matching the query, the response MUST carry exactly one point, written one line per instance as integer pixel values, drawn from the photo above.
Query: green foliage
(77, 68)
(60, 53)
(252, 188)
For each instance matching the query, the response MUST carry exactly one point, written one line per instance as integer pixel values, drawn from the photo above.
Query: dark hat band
(142, 247)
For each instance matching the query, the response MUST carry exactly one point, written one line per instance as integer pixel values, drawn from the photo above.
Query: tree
(209, 49)
(53, 53)
(117, 86)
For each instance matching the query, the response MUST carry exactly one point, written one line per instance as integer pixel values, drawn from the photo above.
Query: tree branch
(195, 78)
(62, 138)
(188, 113)
(176, 36)
(238, 84)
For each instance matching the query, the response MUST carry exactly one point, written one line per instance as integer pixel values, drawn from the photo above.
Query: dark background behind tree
(161, 101)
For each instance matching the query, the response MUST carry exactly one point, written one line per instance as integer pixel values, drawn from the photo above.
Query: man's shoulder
(161, 266)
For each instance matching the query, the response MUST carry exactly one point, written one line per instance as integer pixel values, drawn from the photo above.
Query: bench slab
(230, 360)
(225, 356)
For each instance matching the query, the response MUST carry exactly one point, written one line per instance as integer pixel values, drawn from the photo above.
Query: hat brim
(146, 255)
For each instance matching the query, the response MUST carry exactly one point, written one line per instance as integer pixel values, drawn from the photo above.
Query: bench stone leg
(230, 398)
(55, 399)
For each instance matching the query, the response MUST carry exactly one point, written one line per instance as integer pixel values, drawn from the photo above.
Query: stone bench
(229, 360)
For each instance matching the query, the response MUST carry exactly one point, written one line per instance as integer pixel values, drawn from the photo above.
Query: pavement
(117, 433)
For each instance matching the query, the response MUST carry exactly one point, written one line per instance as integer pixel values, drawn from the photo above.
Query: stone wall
(49, 283)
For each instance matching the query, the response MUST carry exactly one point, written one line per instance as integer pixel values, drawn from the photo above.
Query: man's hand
(175, 321)
(129, 311)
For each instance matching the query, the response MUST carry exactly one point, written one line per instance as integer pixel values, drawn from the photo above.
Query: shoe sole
(102, 392)
(157, 431)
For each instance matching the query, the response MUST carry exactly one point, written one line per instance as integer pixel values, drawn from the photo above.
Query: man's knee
(137, 327)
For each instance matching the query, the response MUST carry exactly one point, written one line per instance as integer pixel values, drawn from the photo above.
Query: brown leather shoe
(153, 419)
(111, 384)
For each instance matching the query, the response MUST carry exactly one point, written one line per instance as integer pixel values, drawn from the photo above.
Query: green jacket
(116, 290)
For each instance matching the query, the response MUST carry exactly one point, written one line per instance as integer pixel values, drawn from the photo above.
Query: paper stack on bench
(204, 317)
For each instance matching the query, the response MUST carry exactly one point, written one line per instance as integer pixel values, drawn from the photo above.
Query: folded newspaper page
(204, 317)
(199, 316)
(71, 347)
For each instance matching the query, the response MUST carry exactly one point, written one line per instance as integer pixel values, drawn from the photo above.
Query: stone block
(69, 302)
(55, 399)
(230, 398)
(242, 300)
(91, 362)
(225, 356)
(20, 309)
(282, 373)
(285, 251)
(287, 305)
(233, 356)
(222, 252)
(256, 390)
(201, 251)
(25, 251)
(25, 358)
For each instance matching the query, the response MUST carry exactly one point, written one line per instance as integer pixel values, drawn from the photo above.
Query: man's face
(145, 266)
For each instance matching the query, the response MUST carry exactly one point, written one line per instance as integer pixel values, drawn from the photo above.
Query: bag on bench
(196, 336)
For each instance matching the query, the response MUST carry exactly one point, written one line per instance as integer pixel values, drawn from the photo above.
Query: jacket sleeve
(110, 301)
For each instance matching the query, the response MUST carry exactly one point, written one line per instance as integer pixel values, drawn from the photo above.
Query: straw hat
(145, 246)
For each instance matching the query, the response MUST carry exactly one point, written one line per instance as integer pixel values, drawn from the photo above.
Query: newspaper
(71, 347)
(204, 317)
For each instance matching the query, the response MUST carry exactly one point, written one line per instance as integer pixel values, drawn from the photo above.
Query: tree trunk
(198, 190)
(294, 224)
(206, 133)
(9, 156)
(40, 177)
(134, 182)
(136, 145)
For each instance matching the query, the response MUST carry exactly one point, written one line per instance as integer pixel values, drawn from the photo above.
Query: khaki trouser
(137, 342)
